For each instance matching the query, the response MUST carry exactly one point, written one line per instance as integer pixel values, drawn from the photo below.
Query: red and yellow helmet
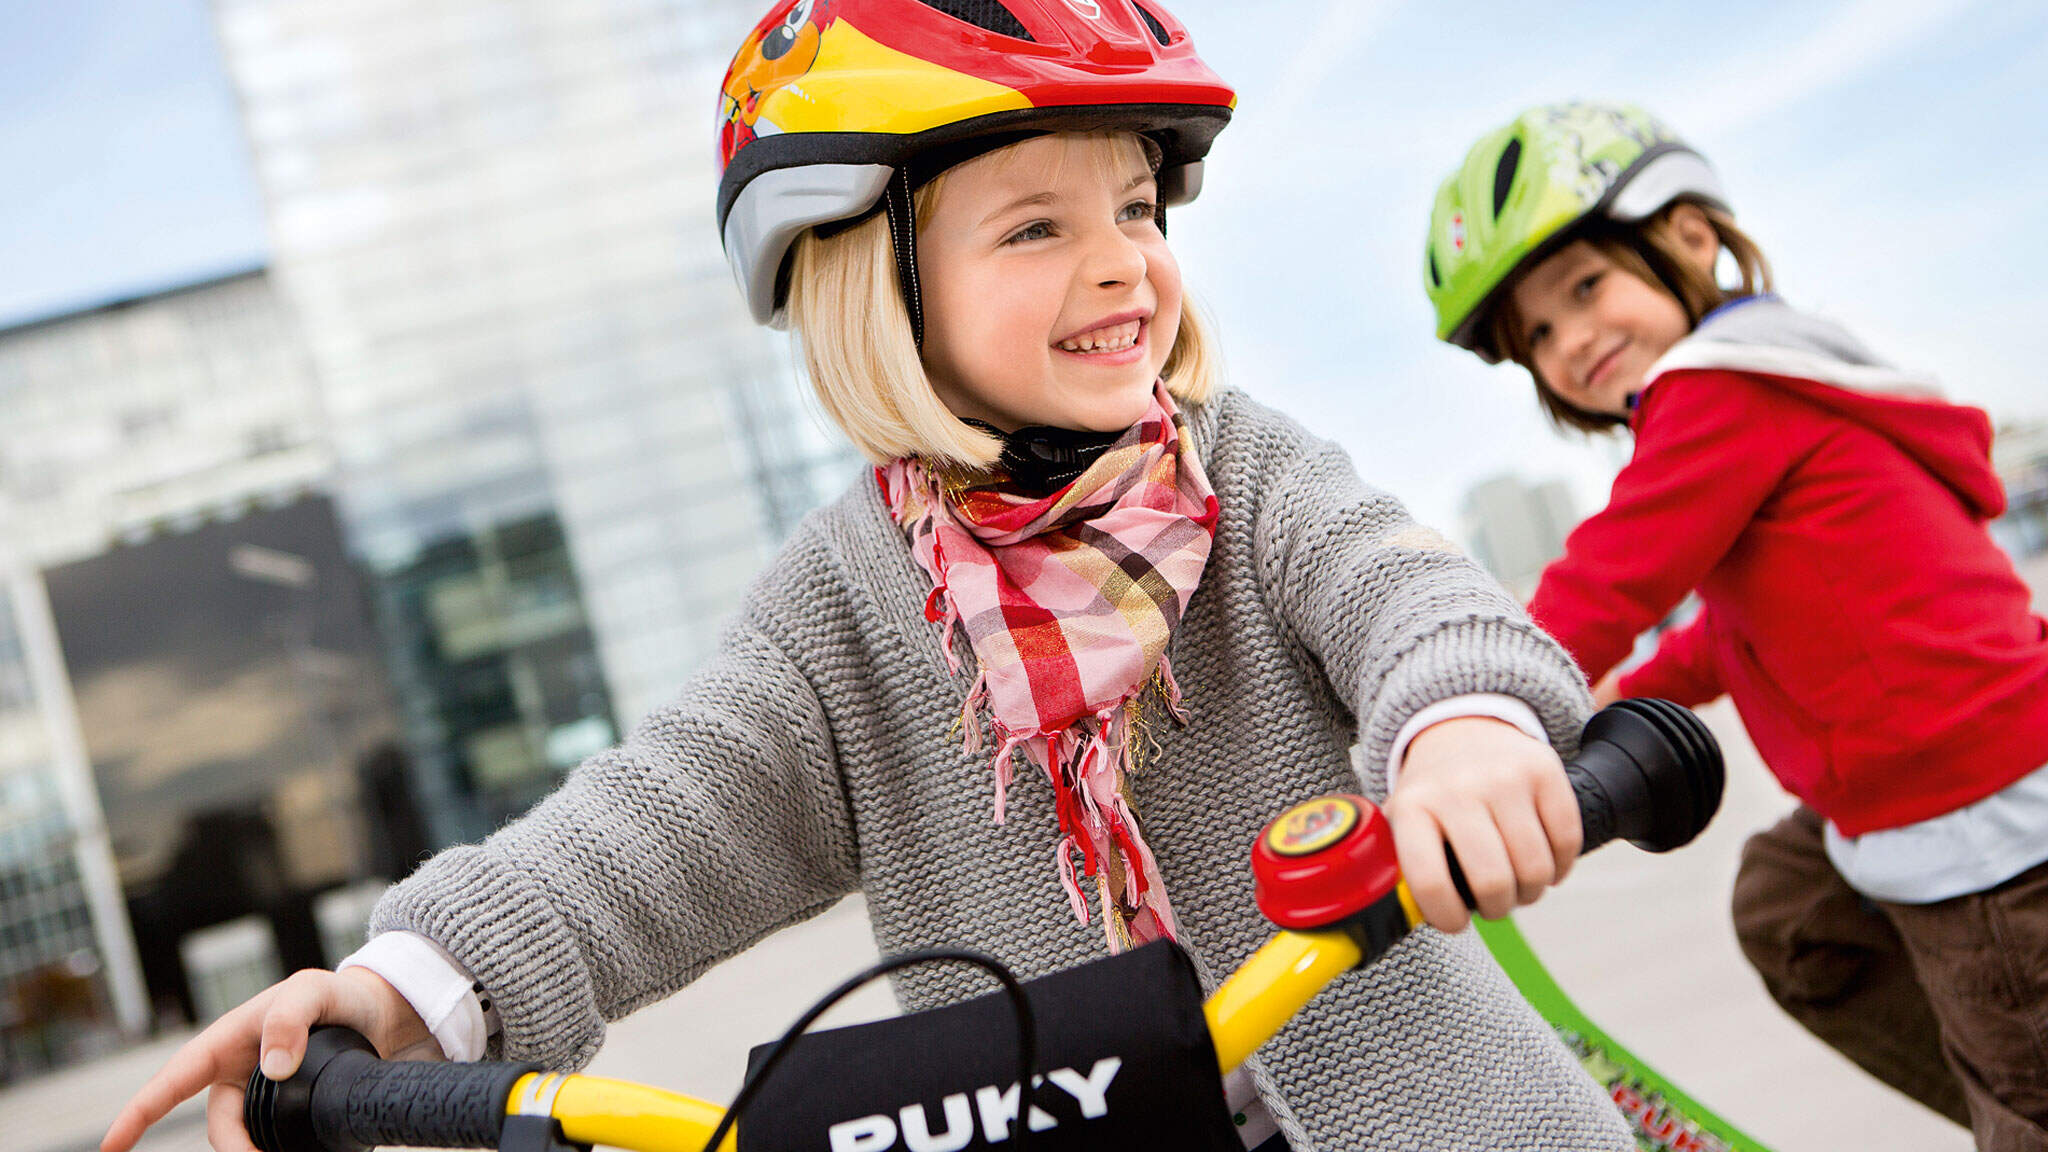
(827, 99)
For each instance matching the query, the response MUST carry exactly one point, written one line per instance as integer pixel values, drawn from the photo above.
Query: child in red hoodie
(1830, 513)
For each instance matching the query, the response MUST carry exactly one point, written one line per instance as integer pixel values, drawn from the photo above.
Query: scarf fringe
(1170, 691)
(1087, 764)
(1088, 760)
(969, 720)
(1064, 856)
(1003, 766)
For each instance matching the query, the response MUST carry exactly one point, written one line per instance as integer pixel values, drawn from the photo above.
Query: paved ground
(1643, 943)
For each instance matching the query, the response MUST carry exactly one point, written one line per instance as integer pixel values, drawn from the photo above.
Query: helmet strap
(901, 205)
(900, 202)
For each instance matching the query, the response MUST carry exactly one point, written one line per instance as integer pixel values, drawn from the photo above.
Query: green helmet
(1525, 186)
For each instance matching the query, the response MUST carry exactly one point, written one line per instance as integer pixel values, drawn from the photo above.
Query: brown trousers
(1946, 1002)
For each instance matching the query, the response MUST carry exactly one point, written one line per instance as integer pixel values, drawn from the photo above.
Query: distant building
(1515, 528)
(393, 531)
(136, 417)
(233, 703)
(134, 421)
(2020, 453)
(563, 447)
(68, 977)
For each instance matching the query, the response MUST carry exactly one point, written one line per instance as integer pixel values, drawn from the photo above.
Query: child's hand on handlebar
(1608, 690)
(274, 1023)
(1502, 802)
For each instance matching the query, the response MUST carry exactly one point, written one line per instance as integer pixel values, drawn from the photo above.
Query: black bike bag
(1124, 1060)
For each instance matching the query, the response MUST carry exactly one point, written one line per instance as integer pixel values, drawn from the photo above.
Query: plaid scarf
(1068, 601)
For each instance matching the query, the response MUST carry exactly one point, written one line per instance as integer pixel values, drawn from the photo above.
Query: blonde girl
(1032, 685)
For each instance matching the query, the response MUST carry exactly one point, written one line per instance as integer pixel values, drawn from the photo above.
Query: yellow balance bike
(1647, 771)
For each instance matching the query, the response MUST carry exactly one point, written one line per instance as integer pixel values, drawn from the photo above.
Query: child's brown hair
(1651, 252)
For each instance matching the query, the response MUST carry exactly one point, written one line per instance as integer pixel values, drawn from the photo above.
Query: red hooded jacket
(1831, 514)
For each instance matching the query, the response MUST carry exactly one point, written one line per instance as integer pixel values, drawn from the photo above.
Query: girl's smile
(1594, 329)
(1060, 306)
(1117, 340)
(1605, 364)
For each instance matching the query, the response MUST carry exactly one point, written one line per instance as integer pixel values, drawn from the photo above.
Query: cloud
(1855, 39)
(1343, 30)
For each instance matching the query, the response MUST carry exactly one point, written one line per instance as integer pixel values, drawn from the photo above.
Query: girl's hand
(275, 1023)
(1502, 802)
(1608, 690)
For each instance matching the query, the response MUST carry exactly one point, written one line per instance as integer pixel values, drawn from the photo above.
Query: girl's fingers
(303, 1000)
(164, 1091)
(225, 1052)
(268, 1032)
(1419, 843)
(1531, 864)
(1539, 829)
(1558, 807)
(1483, 856)
(136, 1116)
(224, 1119)
(1503, 804)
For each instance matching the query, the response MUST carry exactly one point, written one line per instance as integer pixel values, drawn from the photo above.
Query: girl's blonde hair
(1651, 252)
(847, 314)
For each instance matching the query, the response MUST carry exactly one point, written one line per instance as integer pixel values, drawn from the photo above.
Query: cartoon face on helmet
(771, 59)
(1523, 189)
(827, 99)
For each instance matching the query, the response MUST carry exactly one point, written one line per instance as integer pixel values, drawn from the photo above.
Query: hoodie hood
(1820, 361)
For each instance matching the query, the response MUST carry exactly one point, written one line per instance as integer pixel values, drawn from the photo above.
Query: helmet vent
(1504, 174)
(1152, 22)
(986, 14)
(1435, 277)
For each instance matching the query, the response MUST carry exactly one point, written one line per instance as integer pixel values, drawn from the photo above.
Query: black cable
(1027, 1033)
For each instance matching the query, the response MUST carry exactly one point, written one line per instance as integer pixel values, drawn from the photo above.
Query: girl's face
(1592, 328)
(1049, 293)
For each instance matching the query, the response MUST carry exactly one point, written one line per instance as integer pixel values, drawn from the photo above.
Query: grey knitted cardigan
(819, 755)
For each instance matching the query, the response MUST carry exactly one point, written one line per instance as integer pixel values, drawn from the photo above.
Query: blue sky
(1888, 155)
(127, 170)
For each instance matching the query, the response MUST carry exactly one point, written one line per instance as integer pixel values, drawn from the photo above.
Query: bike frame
(1325, 872)
(1247, 1010)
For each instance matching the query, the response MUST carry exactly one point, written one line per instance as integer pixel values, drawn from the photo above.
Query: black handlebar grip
(1658, 769)
(344, 1099)
(1648, 772)
(1596, 810)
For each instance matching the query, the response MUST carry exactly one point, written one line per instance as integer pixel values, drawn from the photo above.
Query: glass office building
(394, 530)
(232, 703)
(562, 447)
(54, 1000)
(128, 425)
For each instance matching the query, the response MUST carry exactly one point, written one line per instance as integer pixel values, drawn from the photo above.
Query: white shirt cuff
(438, 987)
(1492, 705)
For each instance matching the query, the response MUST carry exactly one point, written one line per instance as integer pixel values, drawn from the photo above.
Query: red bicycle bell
(1324, 862)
